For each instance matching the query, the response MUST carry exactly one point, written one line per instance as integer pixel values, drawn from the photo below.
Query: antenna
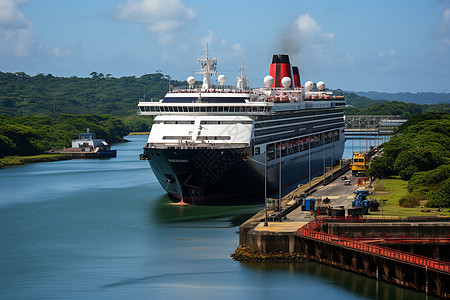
(208, 68)
(242, 79)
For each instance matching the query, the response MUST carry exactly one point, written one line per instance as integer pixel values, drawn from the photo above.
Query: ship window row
(225, 122)
(291, 146)
(261, 132)
(184, 109)
(205, 99)
(173, 122)
(295, 115)
(284, 121)
(201, 138)
(214, 138)
(201, 123)
(271, 129)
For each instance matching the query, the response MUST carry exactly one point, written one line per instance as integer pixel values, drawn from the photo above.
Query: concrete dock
(411, 252)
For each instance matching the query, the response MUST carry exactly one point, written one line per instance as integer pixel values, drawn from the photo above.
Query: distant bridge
(372, 124)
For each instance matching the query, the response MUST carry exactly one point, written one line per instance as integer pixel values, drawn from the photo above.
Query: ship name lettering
(177, 160)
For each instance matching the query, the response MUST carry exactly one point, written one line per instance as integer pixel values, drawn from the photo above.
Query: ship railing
(211, 89)
(193, 145)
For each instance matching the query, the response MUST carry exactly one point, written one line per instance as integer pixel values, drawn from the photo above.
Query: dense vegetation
(36, 134)
(358, 105)
(24, 95)
(419, 98)
(420, 153)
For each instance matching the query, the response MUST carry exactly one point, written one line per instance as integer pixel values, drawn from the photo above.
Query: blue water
(104, 229)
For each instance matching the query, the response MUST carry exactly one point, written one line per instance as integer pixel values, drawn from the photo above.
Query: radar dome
(221, 79)
(286, 82)
(309, 85)
(191, 80)
(268, 81)
(320, 85)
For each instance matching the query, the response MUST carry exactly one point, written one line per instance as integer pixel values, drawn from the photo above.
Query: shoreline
(10, 161)
(139, 133)
(17, 160)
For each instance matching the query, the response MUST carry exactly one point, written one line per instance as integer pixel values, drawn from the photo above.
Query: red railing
(377, 250)
(405, 240)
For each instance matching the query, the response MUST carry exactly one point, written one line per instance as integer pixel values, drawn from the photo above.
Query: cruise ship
(217, 144)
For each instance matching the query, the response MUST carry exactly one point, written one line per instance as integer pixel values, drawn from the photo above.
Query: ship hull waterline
(230, 177)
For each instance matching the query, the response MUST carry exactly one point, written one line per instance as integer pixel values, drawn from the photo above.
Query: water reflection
(354, 283)
(164, 211)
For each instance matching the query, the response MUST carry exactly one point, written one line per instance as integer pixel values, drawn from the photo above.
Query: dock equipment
(288, 208)
(364, 203)
(308, 204)
(359, 164)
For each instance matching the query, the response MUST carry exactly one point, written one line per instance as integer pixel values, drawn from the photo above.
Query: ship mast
(208, 68)
(242, 82)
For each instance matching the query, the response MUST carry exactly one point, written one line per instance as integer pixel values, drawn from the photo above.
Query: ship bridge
(191, 132)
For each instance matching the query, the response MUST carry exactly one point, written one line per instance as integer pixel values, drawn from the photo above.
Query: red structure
(366, 256)
(280, 68)
(296, 75)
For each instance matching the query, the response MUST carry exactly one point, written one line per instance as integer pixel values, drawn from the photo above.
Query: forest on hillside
(359, 105)
(24, 95)
(419, 98)
(37, 134)
(420, 153)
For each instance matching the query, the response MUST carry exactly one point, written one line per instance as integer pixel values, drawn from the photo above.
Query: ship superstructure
(221, 145)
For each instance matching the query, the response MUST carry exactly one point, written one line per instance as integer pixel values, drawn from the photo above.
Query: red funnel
(296, 76)
(280, 68)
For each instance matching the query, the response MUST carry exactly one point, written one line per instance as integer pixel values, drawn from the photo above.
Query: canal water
(104, 229)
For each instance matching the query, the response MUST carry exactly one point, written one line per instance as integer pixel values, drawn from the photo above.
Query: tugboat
(88, 146)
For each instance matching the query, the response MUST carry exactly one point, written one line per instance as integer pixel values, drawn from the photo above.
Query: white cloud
(17, 37)
(350, 58)
(220, 46)
(10, 15)
(157, 15)
(237, 47)
(306, 42)
(16, 31)
(309, 30)
(387, 60)
(58, 52)
(164, 38)
(444, 25)
(208, 38)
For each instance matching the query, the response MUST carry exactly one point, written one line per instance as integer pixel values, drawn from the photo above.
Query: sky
(354, 45)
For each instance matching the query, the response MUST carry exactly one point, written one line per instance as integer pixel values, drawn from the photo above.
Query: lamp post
(265, 188)
(309, 160)
(265, 183)
(279, 193)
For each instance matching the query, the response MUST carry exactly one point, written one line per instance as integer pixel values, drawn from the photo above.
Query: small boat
(87, 142)
(88, 146)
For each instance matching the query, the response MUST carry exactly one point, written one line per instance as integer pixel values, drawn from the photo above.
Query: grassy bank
(21, 160)
(390, 191)
(139, 133)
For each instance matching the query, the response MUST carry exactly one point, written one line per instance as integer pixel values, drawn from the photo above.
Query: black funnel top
(280, 59)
